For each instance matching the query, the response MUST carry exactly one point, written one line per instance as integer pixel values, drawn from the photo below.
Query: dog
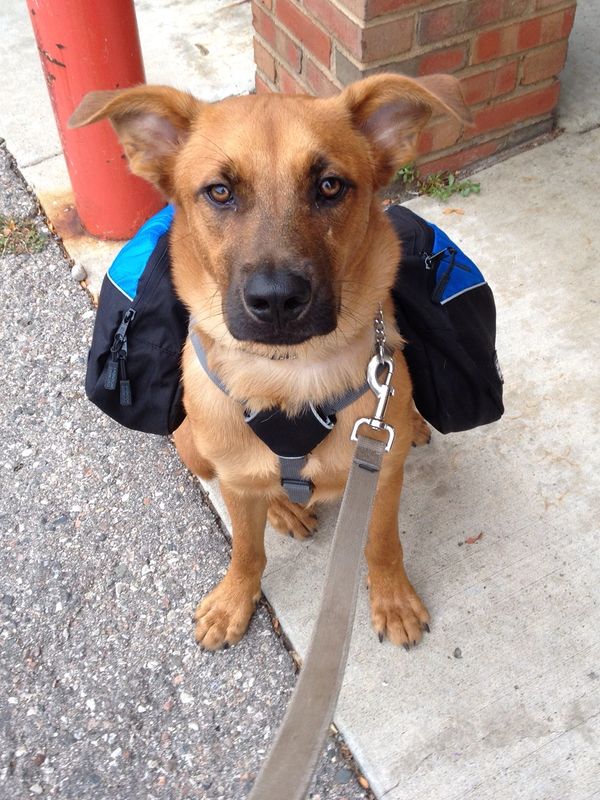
(282, 254)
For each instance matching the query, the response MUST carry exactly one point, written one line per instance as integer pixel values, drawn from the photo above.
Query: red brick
(557, 26)
(505, 78)
(543, 4)
(484, 12)
(288, 83)
(547, 62)
(525, 35)
(489, 45)
(370, 9)
(264, 60)
(448, 60)
(261, 86)
(263, 24)
(491, 83)
(320, 84)
(268, 4)
(515, 8)
(441, 23)
(460, 159)
(288, 50)
(303, 28)
(439, 135)
(529, 34)
(477, 88)
(515, 109)
(341, 27)
(388, 39)
(568, 20)
(449, 20)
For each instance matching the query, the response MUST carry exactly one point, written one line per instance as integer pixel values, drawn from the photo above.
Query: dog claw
(406, 646)
(426, 627)
(380, 637)
(226, 646)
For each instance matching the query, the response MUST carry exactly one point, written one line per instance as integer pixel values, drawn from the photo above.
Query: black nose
(276, 296)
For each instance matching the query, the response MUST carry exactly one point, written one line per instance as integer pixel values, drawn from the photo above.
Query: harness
(290, 438)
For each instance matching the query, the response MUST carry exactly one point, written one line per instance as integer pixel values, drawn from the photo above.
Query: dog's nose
(276, 296)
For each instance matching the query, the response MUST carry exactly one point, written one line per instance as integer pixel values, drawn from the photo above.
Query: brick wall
(507, 53)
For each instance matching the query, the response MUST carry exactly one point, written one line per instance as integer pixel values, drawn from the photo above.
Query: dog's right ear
(152, 122)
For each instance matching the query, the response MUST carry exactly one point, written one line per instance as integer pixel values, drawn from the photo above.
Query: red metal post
(86, 45)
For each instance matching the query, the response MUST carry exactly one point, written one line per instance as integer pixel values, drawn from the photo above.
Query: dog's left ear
(391, 111)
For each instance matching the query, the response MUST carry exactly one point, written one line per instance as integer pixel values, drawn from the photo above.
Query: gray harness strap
(298, 489)
(195, 339)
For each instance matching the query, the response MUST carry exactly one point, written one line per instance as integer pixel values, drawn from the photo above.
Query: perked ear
(391, 111)
(151, 122)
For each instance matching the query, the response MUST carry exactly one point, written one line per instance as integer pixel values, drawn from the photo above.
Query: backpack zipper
(117, 366)
(116, 370)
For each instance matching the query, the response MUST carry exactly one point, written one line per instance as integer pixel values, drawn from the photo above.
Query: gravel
(107, 544)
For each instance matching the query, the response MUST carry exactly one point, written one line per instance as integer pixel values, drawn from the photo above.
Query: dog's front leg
(396, 610)
(223, 616)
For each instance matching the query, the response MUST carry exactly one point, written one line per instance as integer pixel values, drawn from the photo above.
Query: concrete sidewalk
(503, 698)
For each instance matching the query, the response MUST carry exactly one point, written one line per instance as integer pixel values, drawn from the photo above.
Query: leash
(289, 767)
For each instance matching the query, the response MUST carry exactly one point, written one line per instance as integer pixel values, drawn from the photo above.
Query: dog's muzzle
(279, 306)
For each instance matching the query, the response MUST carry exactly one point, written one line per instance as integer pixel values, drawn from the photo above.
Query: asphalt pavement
(107, 544)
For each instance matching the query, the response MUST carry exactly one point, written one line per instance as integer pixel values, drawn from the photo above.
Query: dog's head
(274, 235)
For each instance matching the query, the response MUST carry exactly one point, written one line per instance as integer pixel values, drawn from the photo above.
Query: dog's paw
(421, 431)
(292, 519)
(223, 615)
(396, 610)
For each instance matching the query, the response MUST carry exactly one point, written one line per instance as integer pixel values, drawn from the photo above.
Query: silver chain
(379, 326)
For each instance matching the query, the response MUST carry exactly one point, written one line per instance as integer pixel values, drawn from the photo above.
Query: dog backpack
(446, 313)
(133, 371)
(444, 310)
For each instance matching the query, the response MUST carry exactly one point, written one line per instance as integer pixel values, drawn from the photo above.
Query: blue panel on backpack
(125, 271)
(463, 277)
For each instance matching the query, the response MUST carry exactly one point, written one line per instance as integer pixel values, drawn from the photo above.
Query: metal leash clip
(383, 392)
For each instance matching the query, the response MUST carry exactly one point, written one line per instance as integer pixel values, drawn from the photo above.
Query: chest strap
(290, 438)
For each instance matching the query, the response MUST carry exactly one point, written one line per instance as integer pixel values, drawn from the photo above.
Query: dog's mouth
(279, 309)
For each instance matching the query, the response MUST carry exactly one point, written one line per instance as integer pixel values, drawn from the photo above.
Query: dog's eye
(219, 193)
(331, 188)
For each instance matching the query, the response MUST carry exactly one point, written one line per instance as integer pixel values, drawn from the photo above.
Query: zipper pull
(122, 329)
(116, 362)
(125, 398)
(112, 369)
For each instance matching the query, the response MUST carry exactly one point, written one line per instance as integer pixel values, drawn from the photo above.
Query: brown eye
(219, 193)
(331, 188)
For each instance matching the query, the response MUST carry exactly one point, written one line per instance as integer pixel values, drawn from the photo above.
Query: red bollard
(86, 45)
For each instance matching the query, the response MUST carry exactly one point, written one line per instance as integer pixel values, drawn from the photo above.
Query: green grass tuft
(20, 236)
(441, 185)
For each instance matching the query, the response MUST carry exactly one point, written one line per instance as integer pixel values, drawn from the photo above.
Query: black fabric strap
(290, 438)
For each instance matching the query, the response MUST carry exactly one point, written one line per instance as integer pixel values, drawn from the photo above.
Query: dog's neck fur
(258, 381)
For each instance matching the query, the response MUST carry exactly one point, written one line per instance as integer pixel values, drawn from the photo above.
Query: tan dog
(282, 254)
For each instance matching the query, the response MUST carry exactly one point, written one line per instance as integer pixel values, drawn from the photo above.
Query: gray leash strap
(288, 769)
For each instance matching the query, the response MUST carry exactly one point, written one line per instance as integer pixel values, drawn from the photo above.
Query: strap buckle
(383, 392)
